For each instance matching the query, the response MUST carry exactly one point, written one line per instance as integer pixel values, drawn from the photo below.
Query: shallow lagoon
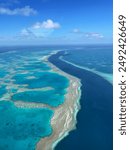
(49, 97)
(21, 129)
(26, 77)
(42, 79)
(2, 90)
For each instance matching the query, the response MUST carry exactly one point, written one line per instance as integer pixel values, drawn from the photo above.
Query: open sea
(25, 77)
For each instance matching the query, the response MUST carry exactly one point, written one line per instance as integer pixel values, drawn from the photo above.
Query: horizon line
(89, 44)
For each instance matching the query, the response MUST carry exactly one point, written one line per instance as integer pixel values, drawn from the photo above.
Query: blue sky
(39, 22)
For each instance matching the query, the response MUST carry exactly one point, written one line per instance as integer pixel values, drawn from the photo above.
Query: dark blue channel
(95, 119)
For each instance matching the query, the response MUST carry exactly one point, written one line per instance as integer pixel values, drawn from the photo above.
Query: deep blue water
(99, 58)
(95, 58)
(95, 119)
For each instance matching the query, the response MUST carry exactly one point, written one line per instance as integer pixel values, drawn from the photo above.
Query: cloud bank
(25, 11)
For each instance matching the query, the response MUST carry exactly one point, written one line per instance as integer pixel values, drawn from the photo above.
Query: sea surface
(97, 59)
(25, 77)
(94, 130)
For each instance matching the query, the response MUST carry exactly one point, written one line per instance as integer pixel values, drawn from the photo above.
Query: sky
(46, 22)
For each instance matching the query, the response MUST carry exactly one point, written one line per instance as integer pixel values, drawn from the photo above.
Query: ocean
(25, 77)
(97, 59)
(94, 128)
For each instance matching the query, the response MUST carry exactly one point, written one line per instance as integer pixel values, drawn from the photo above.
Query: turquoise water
(26, 77)
(53, 81)
(49, 97)
(2, 90)
(21, 129)
(2, 73)
(42, 79)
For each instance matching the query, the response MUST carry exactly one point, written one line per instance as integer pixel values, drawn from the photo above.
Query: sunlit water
(25, 77)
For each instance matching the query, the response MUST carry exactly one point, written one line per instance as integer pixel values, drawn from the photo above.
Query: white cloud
(76, 30)
(39, 30)
(94, 35)
(87, 34)
(27, 33)
(35, 33)
(48, 24)
(25, 11)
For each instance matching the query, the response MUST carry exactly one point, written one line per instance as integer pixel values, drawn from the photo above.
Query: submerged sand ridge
(64, 119)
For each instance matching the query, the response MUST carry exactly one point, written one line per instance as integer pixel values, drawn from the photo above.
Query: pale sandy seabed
(64, 119)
